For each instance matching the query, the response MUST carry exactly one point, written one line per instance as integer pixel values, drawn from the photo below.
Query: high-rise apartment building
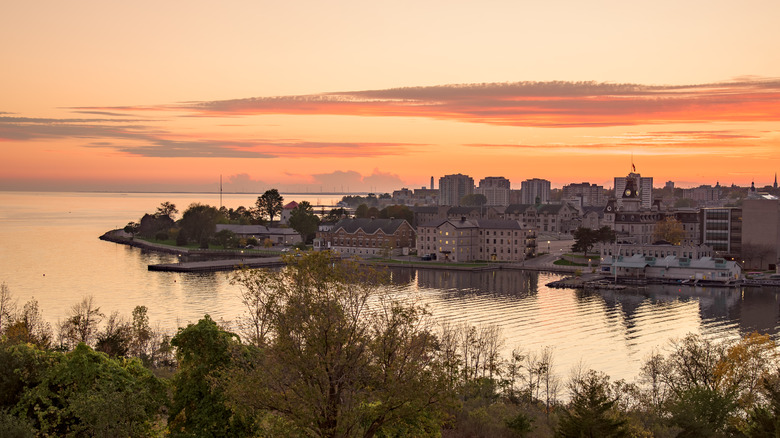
(643, 185)
(454, 187)
(533, 190)
(588, 195)
(496, 190)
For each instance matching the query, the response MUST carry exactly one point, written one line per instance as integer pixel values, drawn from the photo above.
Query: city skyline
(360, 97)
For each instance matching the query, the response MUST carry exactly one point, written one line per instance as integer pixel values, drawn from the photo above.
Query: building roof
(291, 205)
(369, 226)
(504, 224)
(457, 223)
(461, 210)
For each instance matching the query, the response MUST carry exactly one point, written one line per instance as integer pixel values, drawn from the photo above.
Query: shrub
(161, 236)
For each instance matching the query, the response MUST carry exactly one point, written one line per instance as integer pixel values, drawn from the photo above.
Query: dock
(219, 265)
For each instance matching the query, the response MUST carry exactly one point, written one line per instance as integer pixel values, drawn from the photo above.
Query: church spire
(775, 179)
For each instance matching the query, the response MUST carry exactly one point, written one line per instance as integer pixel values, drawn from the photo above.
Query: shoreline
(250, 260)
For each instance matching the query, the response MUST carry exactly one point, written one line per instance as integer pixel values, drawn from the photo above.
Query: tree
(226, 238)
(141, 334)
(304, 221)
(82, 323)
(361, 211)
(29, 326)
(340, 359)
(7, 307)
(669, 230)
(593, 410)
(199, 222)
(115, 338)
(586, 238)
(397, 212)
(167, 209)
(270, 204)
(131, 228)
(198, 408)
(336, 214)
(87, 394)
(473, 200)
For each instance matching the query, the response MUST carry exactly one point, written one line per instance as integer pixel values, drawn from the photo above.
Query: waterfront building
(761, 231)
(721, 229)
(496, 190)
(535, 191)
(683, 263)
(423, 196)
(368, 237)
(403, 196)
(454, 187)
(465, 240)
(277, 236)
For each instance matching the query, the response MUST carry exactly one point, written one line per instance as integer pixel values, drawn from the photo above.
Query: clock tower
(631, 201)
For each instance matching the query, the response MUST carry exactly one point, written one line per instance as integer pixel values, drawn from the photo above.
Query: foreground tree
(593, 410)
(87, 394)
(198, 408)
(269, 204)
(82, 322)
(339, 359)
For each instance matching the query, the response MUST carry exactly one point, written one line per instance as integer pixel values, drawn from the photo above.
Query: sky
(359, 96)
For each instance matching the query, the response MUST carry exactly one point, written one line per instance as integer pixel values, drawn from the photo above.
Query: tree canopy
(269, 204)
(586, 238)
(304, 221)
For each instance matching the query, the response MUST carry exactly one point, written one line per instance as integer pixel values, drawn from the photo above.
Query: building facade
(466, 240)
(585, 194)
(368, 237)
(534, 191)
(454, 187)
(721, 229)
(496, 190)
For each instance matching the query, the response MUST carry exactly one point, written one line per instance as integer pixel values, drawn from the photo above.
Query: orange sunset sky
(372, 96)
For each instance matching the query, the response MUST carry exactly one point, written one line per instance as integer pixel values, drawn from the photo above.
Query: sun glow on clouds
(567, 129)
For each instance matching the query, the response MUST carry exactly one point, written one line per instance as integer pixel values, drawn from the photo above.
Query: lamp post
(548, 247)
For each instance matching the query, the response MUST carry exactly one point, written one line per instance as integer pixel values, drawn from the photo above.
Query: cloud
(662, 142)
(542, 104)
(126, 136)
(350, 180)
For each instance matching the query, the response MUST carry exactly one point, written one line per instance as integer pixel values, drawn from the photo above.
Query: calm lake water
(49, 250)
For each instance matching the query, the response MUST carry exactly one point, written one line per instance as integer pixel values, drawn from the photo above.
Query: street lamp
(548, 246)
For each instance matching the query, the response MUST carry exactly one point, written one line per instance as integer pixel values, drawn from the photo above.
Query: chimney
(463, 218)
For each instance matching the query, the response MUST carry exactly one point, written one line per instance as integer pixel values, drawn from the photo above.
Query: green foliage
(586, 238)
(473, 200)
(12, 426)
(304, 221)
(398, 212)
(269, 204)
(29, 327)
(199, 222)
(87, 394)
(336, 214)
(167, 209)
(198, 407)
(23, 368)
(361, 211)
(226, 238)
(593, 410)
(332, 365)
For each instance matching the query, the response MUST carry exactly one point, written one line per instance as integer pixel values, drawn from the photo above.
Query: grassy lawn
(172, 243)
(562, 262)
